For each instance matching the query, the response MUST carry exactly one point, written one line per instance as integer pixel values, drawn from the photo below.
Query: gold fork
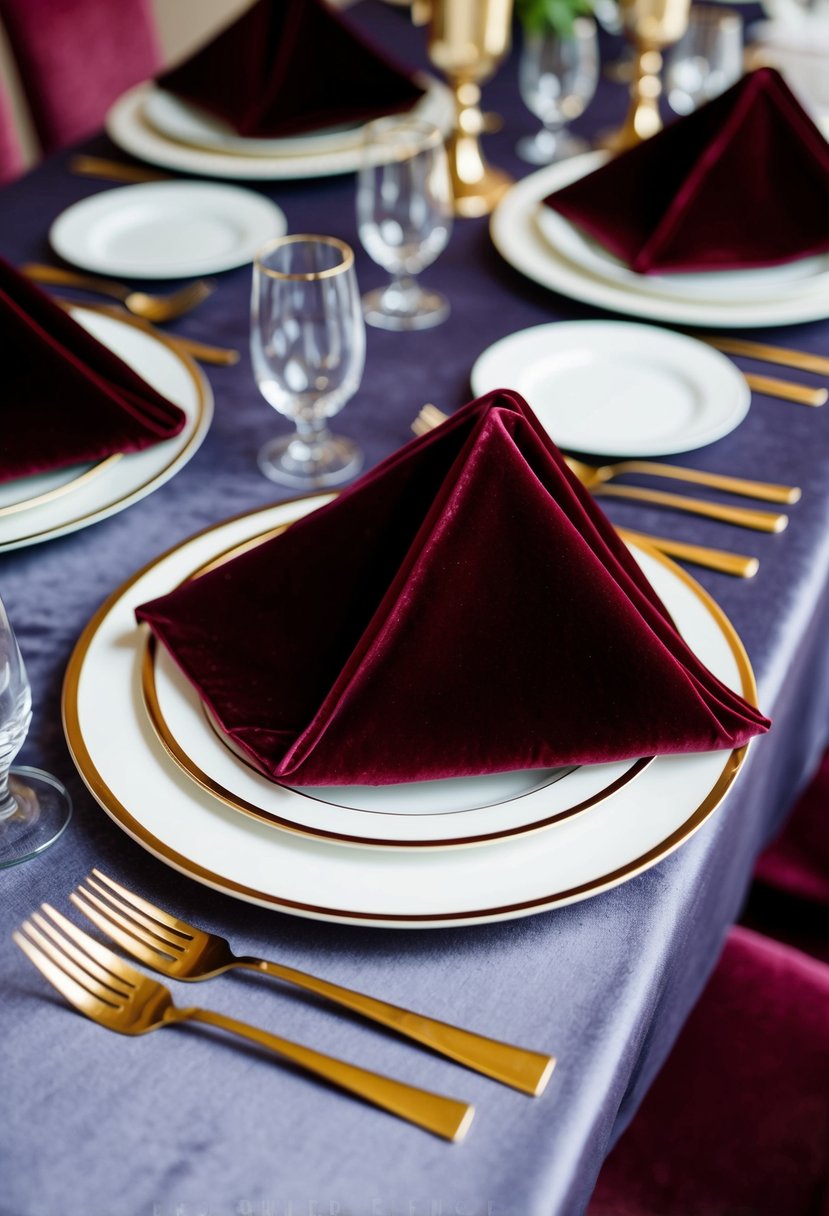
(183, 952)
(156, 308)
(111, 992)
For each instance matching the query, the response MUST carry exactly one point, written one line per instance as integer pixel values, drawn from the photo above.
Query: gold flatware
(736, 564)
(112, 993)
(745, 517)
(771, 386)
(157, 308)
(801, 360)
(741, 517)
(592, 475)
(183, 952)
(114, 170)
(222, 356)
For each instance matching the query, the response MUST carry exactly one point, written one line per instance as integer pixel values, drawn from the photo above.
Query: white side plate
(617, 388)
(166, 230)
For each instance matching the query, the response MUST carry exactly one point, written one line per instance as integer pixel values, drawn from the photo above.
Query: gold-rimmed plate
(77, 498)
(147, 794)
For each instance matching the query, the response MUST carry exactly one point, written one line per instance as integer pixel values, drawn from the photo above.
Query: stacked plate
(454, 852)
(551, 251)
(160, 128)
(39, 508)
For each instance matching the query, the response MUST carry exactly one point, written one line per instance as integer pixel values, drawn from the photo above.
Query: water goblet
(404, 216)
(707, 60)
(34, 806)
(557, 78)
(308, 344)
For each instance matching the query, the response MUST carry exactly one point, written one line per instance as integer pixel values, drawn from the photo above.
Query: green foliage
(538, 16)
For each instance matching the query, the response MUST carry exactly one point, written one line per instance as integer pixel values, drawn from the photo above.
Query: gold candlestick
(651, 25)
(467, 41)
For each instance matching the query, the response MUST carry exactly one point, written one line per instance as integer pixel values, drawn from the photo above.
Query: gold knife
(736, 564)
(114, 170)
(771, 386)
(800, 359)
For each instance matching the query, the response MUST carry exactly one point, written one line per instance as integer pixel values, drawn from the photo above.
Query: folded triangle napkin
(464, 608)
(66, 398)
(287, 66)
(742, 182)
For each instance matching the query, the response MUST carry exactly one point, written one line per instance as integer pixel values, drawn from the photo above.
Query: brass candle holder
(467, 41)
(651, 26)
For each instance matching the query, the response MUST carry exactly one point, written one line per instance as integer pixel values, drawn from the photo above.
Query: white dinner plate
(189, 124)
(166, 230)
(618, 388)
(112, 485)
(127, 126)
(146, 793)
(731, 286)
(517, 235)
(418, 814)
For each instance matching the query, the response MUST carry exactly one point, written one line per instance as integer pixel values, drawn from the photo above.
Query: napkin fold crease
(289, 66)
(464, 608)
(67, 399)
(742, 182)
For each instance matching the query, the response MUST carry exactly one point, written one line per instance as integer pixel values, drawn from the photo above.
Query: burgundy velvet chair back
(75, 57)
(11, 157)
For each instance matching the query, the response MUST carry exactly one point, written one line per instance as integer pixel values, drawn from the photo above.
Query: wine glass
(34, 807)
(557, 78)
(707, 60)
(404, 216)
(308, 346)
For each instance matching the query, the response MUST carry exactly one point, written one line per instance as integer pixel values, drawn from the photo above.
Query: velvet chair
(737, 1122)
(75, 57)
(11, 157)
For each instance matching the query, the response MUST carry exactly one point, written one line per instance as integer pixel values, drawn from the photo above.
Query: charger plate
(517, 235)
(53, 504)
(133, 777)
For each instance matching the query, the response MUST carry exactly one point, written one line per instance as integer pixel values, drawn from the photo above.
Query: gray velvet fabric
(186, 1123)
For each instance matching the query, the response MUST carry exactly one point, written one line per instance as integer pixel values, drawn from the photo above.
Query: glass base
(547, 147)
(292, 461)
(43, 810)
(391, 308)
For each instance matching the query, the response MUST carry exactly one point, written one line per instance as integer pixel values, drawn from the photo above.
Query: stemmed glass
(308, 344)
(34, 807)
(707, 59)
(557, 78)
(404, 216)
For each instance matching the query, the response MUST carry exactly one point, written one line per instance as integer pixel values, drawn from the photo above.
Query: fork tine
(75, 993)
(157, 914)
(117, 967)
(113, 904)
(85, 961)
(127, 938)
(61, 957)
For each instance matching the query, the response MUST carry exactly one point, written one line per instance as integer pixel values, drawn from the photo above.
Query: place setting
(689, 240)
(234, 109)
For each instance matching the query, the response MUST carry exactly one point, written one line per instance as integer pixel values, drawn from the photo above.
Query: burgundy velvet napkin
(463, 608)
(287, 66)
(67, 399)
(742, 182)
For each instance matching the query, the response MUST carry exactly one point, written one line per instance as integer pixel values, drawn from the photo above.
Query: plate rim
(515, 214)
(203, 415)
(737, 413)
(110, 200)
(120, 814)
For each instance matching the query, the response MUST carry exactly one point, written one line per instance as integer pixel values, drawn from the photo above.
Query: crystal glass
(707, 60)
(557, 78)
(308, 345)
(34, 807)
(404, 216)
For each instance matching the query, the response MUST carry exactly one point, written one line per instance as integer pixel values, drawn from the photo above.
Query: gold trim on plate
(122, 816)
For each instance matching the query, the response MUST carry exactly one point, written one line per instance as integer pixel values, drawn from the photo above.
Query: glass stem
(311, 431)
(8, 802)
(403, 290)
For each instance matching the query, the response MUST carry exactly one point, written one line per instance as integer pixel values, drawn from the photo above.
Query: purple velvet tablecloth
(178, 1124)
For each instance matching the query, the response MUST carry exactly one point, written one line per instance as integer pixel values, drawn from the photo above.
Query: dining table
(189, 1123)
